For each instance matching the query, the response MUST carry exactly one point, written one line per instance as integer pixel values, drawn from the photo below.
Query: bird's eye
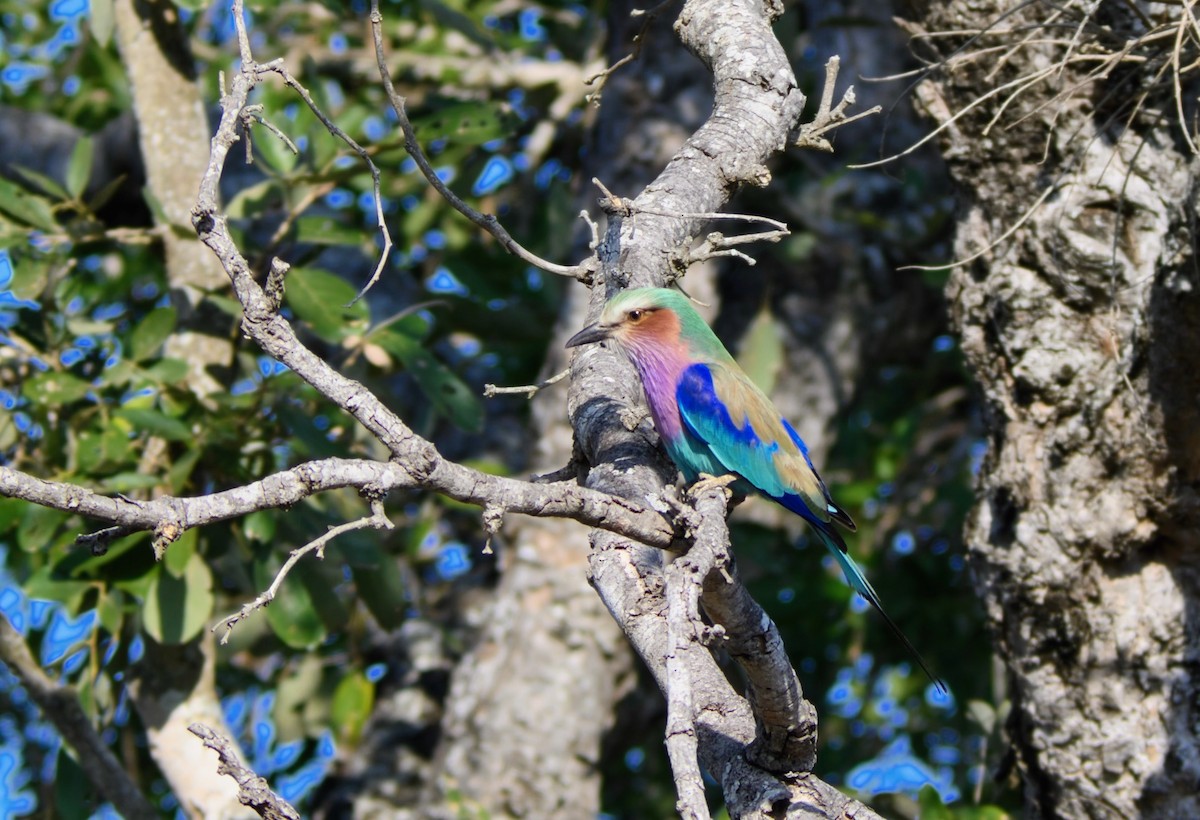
(636, 315)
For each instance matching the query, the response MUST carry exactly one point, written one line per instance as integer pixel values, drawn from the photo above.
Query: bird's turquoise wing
(722, 408)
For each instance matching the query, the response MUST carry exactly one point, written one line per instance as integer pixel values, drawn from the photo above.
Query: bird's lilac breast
(660, 395)
(659, 367)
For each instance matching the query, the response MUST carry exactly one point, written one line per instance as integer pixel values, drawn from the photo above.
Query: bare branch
(685, 579)
(829, 116)
(600, 78)
(1029, 212)
(377, 520)
(60, 704)
(488, 222)
(277, 67)
(717, 244)
(253, 791)
(283, 489)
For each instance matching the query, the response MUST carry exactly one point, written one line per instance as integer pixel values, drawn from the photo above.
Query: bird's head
(640, 317)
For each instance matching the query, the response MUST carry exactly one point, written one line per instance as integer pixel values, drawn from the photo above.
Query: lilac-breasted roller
(714, 420)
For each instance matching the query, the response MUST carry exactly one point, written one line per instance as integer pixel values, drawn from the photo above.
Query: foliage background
(89, 396)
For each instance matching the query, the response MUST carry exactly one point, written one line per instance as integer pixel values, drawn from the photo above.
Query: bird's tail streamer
(854, 576)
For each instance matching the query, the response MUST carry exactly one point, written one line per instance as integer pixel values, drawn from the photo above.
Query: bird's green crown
(631, 307)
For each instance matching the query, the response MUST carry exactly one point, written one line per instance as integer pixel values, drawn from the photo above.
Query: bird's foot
(708, 482)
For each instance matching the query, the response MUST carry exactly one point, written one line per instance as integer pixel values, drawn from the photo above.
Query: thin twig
(488, 222)
(1015, 227)
(377, 520)
(600, 78)
(277, 67)
(828, 116)
(529, 390)
(717, 244)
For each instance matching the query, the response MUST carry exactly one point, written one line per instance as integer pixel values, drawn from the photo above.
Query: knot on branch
(165, 534)
(493, 518)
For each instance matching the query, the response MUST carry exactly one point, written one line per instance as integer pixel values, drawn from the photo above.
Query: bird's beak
(591, 333)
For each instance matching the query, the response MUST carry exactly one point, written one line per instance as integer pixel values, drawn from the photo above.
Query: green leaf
(176, 609)
(47, 585)
(97, 450)
(761, 354)
(352, 703)
(150, 333)
(55, 389)
(299, 685)
(260, 526)
(47, 184)
(111, 610)
(179, 554)
(30, 276)
(168, 371)
(25, 207)
(79, 166)
(448, 393)
(292, 615)
(11, 511)
(181, 470)
(38, 526)
(119, 374)
(251, 200)
(129, 481)
(472, 123)
(320, 298)
(381, 588)
(272, 150)
(326, 230)
(320, 590)
(73, 795)
(156, 423)
(101, 21)
(230, 307)
(9, 434)
(109, 189)
(931, 805)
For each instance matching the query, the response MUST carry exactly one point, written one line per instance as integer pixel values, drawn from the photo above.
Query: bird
(714, 421)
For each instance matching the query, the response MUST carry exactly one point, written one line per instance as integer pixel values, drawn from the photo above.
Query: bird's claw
(708, 482)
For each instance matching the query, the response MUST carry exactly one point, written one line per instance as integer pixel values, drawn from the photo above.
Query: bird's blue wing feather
(723, 410)
(735, 445)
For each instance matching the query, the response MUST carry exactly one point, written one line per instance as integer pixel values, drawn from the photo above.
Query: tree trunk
(1079, 316)
(497, 751)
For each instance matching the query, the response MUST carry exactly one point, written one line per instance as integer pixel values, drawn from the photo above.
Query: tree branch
(283, 489)
(60, 704)
(757, 105)
(377, 519)
(253, 791)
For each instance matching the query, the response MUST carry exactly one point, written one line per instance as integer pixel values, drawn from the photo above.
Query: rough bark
(1081, 328)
